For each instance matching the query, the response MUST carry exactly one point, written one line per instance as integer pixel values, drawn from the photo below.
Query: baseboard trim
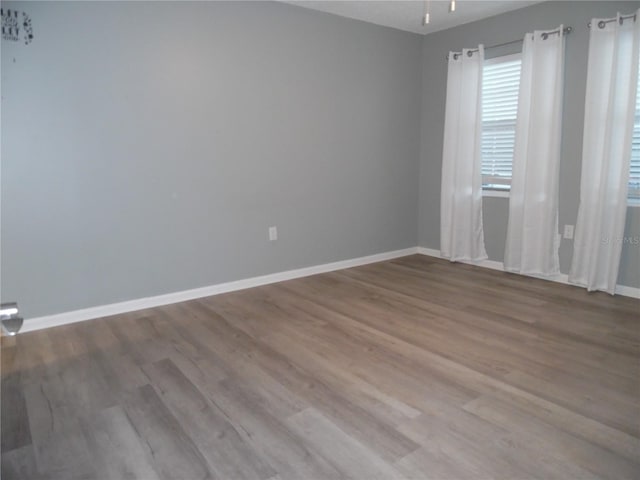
(623, 290)
(91, 313)
(628, 291)
(48, 321)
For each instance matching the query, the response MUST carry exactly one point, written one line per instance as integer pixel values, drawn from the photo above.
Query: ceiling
(407, 15)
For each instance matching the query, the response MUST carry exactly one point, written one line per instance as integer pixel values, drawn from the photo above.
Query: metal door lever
(10, 318)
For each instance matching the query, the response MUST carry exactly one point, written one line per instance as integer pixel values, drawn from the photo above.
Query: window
(634, 175)
(500, 85)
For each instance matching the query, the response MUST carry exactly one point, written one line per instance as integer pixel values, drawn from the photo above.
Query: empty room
(312, 240)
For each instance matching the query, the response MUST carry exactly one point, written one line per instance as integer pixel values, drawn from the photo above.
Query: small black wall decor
(16, 25)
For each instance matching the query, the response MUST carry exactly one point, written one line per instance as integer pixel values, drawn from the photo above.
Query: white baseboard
(628, 291)
(623, 290)
(49, 321)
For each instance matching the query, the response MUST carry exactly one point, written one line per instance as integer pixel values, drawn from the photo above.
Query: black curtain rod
(602, 23)
(545, 35)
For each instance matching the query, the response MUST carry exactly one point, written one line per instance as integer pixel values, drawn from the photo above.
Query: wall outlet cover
(568, 232)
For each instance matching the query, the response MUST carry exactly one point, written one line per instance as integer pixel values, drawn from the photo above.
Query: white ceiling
(407, 15)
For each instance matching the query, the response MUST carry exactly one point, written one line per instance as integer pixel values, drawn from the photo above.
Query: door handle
(10, 318)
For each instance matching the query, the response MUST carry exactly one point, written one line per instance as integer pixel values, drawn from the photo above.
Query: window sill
(496, 193)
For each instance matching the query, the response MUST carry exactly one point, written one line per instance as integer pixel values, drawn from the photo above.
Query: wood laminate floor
(411, 368)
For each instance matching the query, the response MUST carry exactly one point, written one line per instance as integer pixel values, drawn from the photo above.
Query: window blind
(634, 175)
(500, 85)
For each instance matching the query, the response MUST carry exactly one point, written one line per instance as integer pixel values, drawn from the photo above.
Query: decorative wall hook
(16, 25)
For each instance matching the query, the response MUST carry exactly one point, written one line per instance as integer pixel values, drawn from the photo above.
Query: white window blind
(634, 176)
(500, 85)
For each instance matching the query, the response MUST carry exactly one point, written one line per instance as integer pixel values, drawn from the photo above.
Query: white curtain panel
(532, 234)
(606, 152)
(461, 234)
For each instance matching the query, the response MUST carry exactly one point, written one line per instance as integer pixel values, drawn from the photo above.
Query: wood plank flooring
(411, 368)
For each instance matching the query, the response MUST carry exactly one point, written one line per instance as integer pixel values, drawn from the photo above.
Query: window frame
(633, 194)
(493, 185)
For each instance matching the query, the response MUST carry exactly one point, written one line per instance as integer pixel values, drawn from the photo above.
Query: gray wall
(496, 30)
(148, 146)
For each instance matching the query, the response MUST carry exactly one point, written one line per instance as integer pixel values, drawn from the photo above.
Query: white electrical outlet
(273, 233)
(568, 232)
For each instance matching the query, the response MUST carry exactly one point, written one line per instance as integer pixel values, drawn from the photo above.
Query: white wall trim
(623, 290)
(628, 291)
(49, 321)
